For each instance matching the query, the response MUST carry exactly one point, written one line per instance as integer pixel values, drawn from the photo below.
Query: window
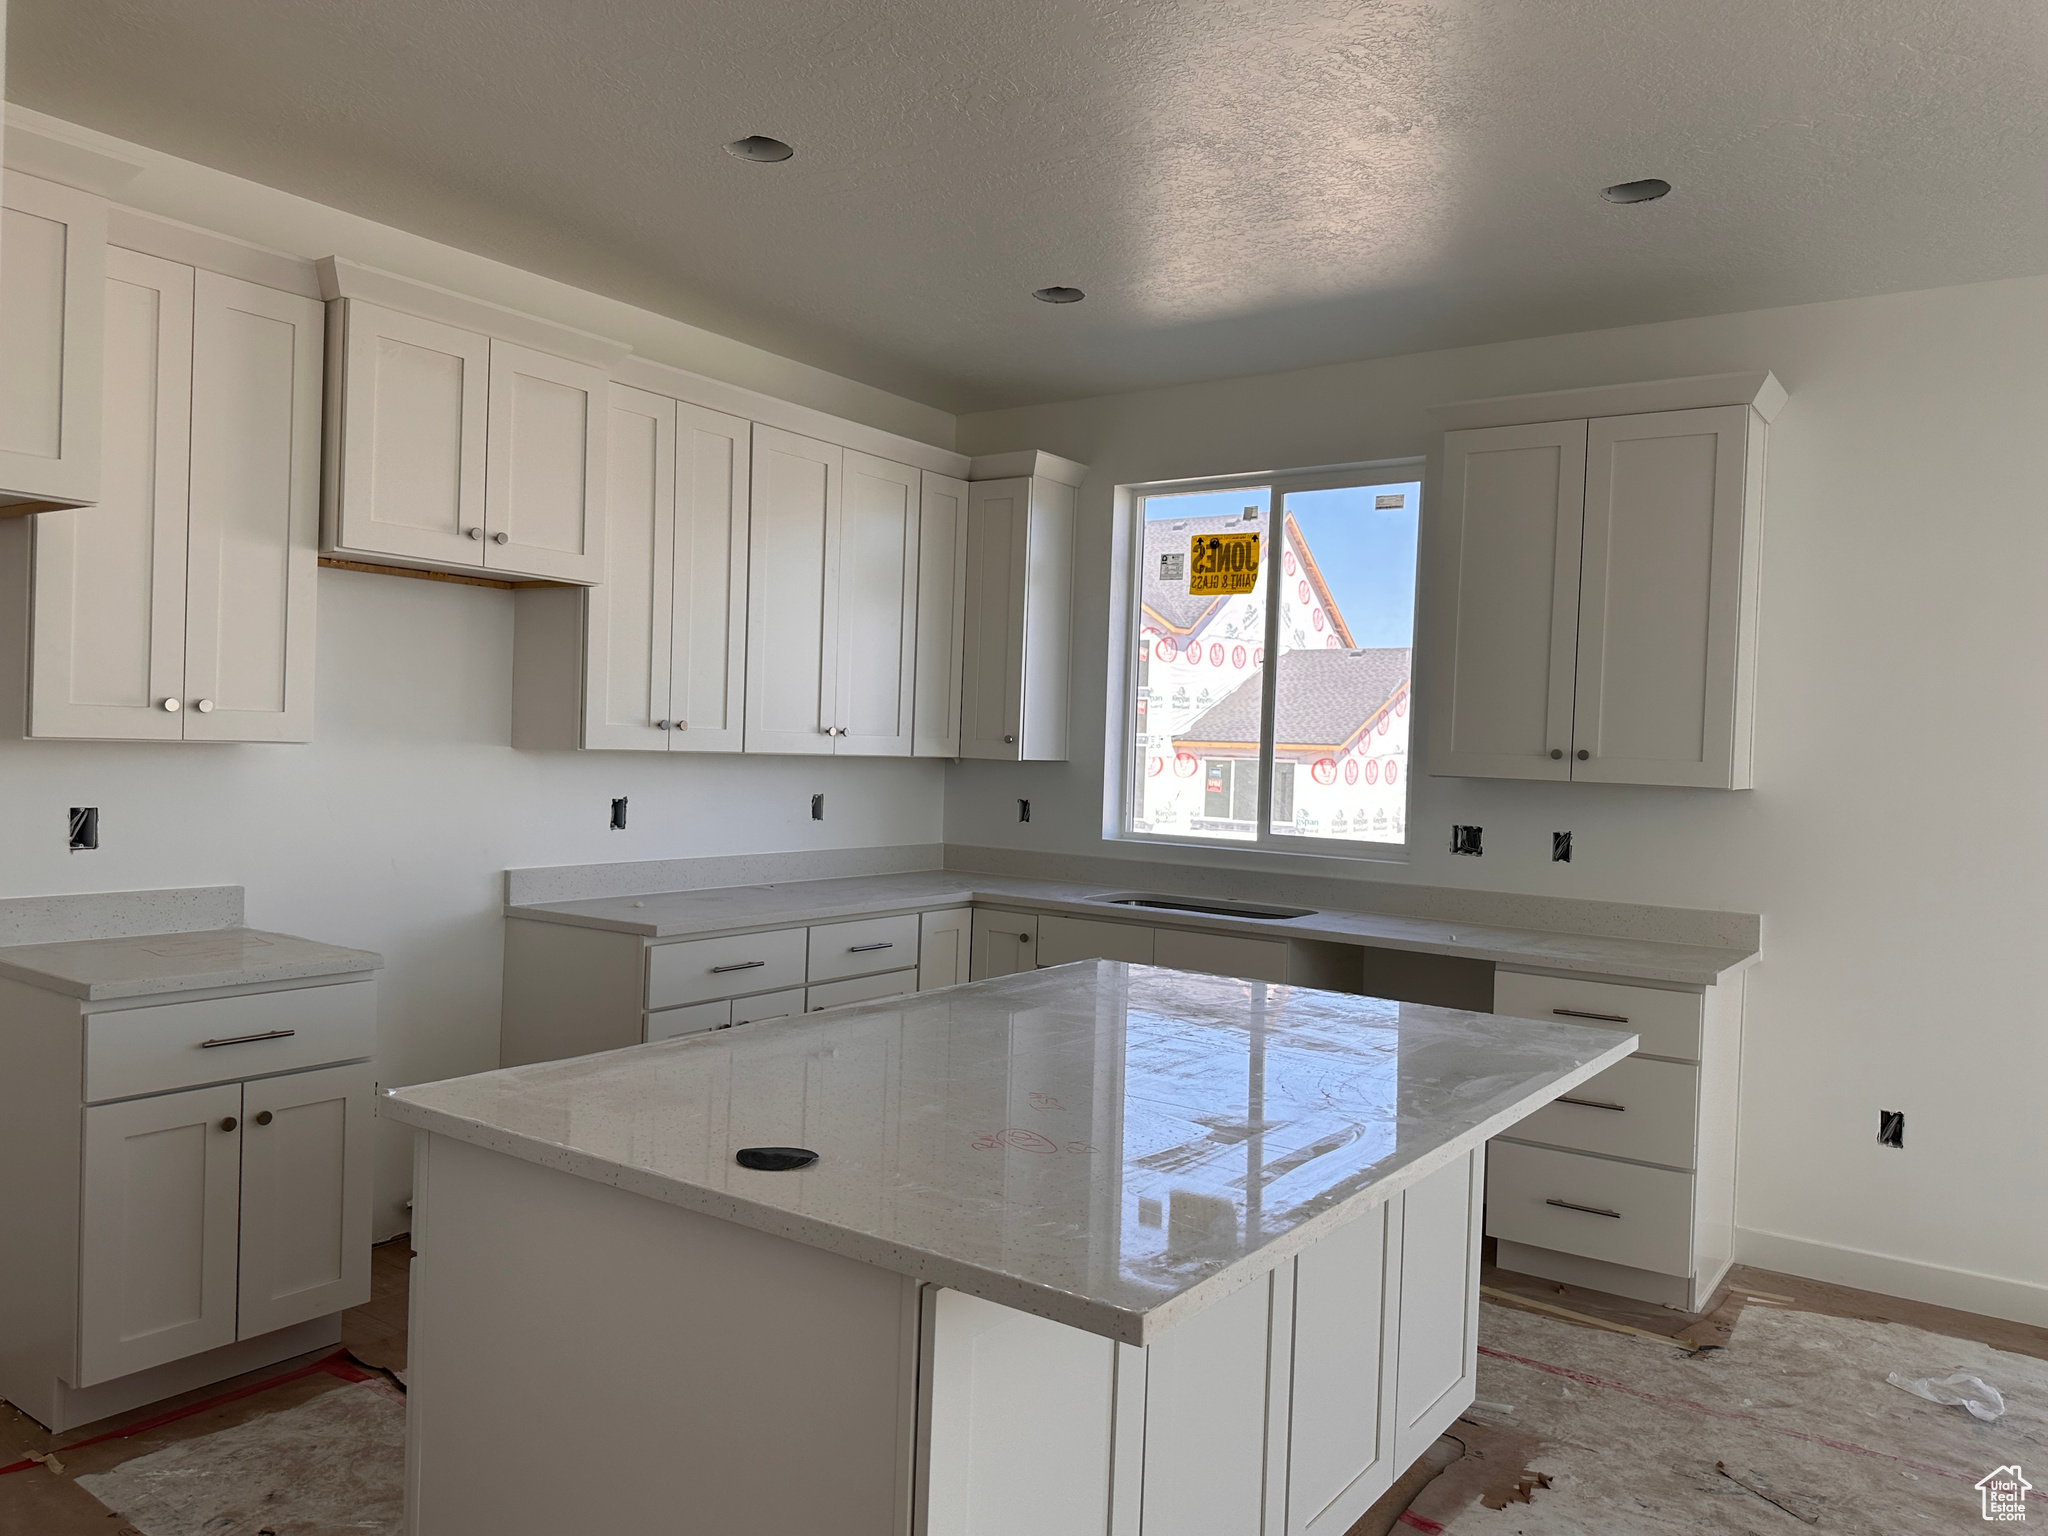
(1311, 753)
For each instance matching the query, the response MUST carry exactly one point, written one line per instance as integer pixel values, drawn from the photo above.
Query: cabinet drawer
(134, 1051)
(769, 1005)
(698, 970)
(1667, 1022)
(1647, 1110)
(1649, 1220)
(1061, 939)
(1220, 954)
(860, 989)
(690, 1019)
(863, 948)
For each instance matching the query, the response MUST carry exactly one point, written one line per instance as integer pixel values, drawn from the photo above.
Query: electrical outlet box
(1891, 1128)
(85, 828)
(619, 814)
(817, 807)
(1023, 810)
(1560, 847)
(1466, 841)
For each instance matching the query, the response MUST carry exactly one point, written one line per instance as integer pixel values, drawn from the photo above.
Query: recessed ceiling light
(1646, 191)
(758, 146)
(1058, 295)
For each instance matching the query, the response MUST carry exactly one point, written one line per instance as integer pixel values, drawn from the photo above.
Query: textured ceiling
(1240, 187)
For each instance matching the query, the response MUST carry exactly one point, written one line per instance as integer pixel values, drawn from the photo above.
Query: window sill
(1304, 851)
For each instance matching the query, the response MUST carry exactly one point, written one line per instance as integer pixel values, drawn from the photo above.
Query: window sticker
(1173, 567)
(1220, 564)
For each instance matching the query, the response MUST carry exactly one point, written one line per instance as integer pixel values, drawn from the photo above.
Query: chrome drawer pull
(744, 965)
(1591, 1103)
(1590, 1210)
(861, 949)
(1604, 1018)
(269, 1034)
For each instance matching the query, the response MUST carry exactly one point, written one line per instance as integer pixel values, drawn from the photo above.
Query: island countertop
(1110, 1146)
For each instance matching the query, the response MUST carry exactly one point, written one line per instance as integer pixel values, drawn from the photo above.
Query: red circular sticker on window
(1401, 705)
(1372, 770)
(1325, 771)
(1393, 772)
(1316, 618)
(1237, 655)
(1385, 721)
(1302, 588)
(1329, 642)
(1259, 657)
(1184, 765)
(1156, 767)
(1351, 772)
(1166, 649)
(1216, 653)
(1290, 562)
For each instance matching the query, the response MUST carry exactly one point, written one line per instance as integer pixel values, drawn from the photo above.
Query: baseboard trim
(2019, 1301)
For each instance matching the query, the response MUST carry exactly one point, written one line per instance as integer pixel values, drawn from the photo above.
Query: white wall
(392, 830)
(1897, 842)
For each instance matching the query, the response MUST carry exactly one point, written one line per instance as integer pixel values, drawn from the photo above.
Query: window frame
(1126, 761)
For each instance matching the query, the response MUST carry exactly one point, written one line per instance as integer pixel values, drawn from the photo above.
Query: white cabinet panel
(544, 480)
(862, 947)
(305, 1229)
(1660, 598)
(109, 582)
(1020, 541)
(876, 640)
(626, 648)
(1570, 1202)
(1665, 1023)
(1004, 942)
(1439, 1321)
(697, 970)
(51, 297)
(945, 948)
(1061, 939)
(708, 657)
(691, 1019)
(1646, 1111)
(793, 594)
(253, 563)
(1220, 954)
(161, 1046)
(157, 1230)
(941, 615)
(414, 399)
(1341, 1442)
(1205, 1419)
(860, 989)
(759, 1009)
(1507, 533)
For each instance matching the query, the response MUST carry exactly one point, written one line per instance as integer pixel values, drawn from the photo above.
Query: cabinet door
(941, 612)
(1507, 531)
(1004, 943)
(253, 570)
(157, 1220)
(876, 639)
(1340, 1450)
(1439, 1303)
(708, 640)
(544, 482)
(415, 400)
(55, 239)
(628, 615)
(945, 948)
(109, 652)
(793, 594)
(992, 668)
(1661, 599)
(305, 1230)
(1061, 939)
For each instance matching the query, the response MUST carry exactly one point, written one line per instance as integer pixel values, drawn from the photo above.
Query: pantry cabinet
(1020, 556)
(182, 606)
(1595, 587)
(54, 239)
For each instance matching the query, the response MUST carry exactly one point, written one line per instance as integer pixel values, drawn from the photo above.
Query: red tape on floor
(336, 1364)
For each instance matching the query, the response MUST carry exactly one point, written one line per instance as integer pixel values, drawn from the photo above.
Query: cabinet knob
(263, 1117)
(501, 538)
(229, 1123)
(1009, 741)
(1023, 938)
(1556, 753)
(679, 725)
(474, 533)
(204, 706)
(1584, 754)
(661, 725)
(172, 706)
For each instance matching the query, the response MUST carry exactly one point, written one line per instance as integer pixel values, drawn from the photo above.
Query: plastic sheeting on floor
(330, 1465)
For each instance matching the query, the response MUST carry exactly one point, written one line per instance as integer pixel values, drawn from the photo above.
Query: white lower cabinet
(1287, 1406)
(305, 1247)
(1004, 942)
(945, 948)
(860, 989)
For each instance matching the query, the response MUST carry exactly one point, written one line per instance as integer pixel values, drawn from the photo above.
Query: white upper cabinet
(941, 615)
(876, 644)
(1020, 556)
(182, 607)
(1595, 585)
(708, 641)
(793, 594)
(55, 240)
(464, 436)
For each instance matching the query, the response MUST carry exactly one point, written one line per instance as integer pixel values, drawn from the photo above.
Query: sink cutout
(1206, 908)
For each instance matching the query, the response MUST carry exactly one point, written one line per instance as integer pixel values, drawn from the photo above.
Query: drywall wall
(392, 830)
(1897, 836)
(196, 194)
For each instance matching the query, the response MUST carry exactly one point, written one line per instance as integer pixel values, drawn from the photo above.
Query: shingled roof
(1328, 699)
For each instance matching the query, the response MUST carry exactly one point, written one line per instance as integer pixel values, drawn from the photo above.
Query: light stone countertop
(731, 909)
(1113, 1147)
(145, 965)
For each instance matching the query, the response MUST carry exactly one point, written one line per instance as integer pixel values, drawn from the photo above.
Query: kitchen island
(1100, 1248)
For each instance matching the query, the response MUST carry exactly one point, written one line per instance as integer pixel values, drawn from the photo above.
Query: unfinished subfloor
(1769, 1412)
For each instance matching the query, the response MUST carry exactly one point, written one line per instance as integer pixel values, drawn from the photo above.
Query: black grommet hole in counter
(775, 1159)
